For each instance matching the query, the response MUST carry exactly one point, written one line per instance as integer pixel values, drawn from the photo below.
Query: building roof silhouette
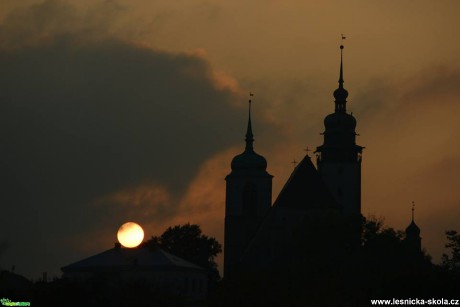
(305, 189)
(131, 258)
(303, 194)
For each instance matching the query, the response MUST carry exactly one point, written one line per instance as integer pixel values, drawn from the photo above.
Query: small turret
(413, 240)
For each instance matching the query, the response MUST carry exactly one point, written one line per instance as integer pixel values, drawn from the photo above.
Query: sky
(116, 111)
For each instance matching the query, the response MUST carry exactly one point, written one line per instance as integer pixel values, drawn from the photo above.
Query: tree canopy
(451, 261)
(188, 242)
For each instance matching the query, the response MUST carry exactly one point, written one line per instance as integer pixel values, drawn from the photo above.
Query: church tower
(248, 198)
(339, 158)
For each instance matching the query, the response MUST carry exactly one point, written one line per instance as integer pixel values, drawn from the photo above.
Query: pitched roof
(303, 194)
(305, 189)
(126, 258)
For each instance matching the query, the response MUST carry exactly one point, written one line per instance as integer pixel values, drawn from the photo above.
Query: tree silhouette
(188, 242)
(451, 262)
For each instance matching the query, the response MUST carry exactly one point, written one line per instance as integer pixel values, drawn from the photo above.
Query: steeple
(249, 159)
(248, 198)
(413, 208)
(340, 135)
(339, 157)
(249, 135)
(413, 230)
(341, 94)
(413, 240)
(341, 67)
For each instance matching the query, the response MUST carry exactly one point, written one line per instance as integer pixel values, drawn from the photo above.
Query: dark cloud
(83, 118)
(42, 22)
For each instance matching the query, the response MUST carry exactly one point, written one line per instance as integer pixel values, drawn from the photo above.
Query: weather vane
(343, 37)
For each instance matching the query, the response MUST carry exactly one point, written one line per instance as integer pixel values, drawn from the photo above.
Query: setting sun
(130, 234)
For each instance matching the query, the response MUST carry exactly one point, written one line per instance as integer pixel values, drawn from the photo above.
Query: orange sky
(401, 69)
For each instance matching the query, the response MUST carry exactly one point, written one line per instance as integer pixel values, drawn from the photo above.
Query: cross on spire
(413, 209)
(294, 162)
(307, 150)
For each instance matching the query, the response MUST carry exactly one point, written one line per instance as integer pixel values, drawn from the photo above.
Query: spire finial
(249, 135)
(340, 93)
(413, 209)
(341, 62)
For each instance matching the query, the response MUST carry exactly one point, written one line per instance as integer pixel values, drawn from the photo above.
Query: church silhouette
(257, 233)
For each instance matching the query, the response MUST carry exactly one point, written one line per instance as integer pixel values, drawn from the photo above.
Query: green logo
(8, 302)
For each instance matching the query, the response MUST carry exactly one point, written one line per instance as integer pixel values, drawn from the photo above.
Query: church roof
(303, 194)
(305, 189)
(130, 258)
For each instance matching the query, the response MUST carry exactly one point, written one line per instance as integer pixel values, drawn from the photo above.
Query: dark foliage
(451, 261)
(336, 261)
(188, 242)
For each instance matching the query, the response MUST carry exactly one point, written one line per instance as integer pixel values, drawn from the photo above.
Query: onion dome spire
(249, 135)
(249, 160)
(341, 94)
(413, 230)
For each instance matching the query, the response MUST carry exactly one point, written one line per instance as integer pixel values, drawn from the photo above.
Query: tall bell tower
(248, 198)
(339, 158)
